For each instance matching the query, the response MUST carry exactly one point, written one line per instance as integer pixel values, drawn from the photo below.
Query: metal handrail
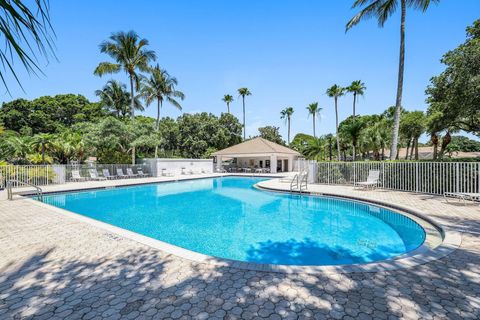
(294, 182)
(299, 182)
(10, 188)
(303, 181)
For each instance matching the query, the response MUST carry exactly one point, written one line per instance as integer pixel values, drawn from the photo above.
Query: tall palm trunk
(159, 105)
(408, 147)
(336, 129)
(288, 130)
(157, 125)
(43, 153)
(354, 102)
(401, 65)
(354, 151)
(434, 140)
(228, 107)
(132, 111)
(314, 125)
(416, 148)
(243, 102)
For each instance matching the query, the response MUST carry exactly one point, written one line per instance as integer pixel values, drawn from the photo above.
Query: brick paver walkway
(54, 266)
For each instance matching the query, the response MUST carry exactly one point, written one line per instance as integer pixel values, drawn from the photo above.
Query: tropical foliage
(287, 115)
(27, 34)
(271, 133)
(243, 92)
(382, 10)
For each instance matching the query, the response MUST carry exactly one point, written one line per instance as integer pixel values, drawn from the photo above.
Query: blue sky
(287, 52)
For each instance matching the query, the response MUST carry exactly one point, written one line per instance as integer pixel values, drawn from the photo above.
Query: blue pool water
(228, 218)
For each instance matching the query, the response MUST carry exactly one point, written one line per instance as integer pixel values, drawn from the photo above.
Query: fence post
(457, 176)
(416, 177)
(354, 172)
(383, 174)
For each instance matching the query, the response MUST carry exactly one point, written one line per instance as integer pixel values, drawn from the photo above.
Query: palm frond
(106, 67)
(20, 25)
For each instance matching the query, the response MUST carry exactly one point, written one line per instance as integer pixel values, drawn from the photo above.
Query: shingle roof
(256, 145)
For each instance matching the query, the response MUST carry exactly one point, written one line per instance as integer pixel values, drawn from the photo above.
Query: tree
(464, 144)
(227, 99)
(315, 148)
(357, 88)
(129, 53)
(351, 130)
(115, 97)
(453, 96)
(287, 115)
(271, 133)
(160, 86)
(412, 127)
(42, 143)
(201, 133)
(314, 110)
(243, 92)
(28, 33)
(335, 92)
(382, 10)
(48, 114)
(14, 147)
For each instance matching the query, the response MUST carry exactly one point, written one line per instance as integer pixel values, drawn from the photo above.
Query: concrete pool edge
(422, 255)
(451, 239)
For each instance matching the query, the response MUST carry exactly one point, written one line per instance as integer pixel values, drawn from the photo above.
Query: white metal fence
(421, 177)
(42, 175)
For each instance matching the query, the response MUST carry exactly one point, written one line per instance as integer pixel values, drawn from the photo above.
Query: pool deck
(56, 266)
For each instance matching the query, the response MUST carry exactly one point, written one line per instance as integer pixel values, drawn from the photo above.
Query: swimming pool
(229, 218)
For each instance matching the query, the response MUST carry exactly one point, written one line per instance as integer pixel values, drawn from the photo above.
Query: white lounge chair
(372, 180)
(141, 174)
(106, 174)
(130, 173)
(464, 196)
(120, 173)
(94, 175)
(76, 176)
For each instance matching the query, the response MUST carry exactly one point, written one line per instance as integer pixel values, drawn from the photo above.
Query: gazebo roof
(258, 146)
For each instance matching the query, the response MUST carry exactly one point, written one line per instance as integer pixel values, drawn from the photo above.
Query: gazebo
(258, 153)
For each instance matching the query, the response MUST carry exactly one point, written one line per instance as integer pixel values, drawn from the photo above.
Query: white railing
(421, 177)
(43, 175)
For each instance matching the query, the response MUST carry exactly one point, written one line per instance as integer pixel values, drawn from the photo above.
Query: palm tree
(130, 55)
(352, 131)
(358, 89)
(43, 142)
(314, 110)
(243, 92)
(114, 96)
(227, 99)
(14, 146)
(27, 33)
(315, 148)
(335, 92)
(160, 86)
(382, 10)
(287, 115)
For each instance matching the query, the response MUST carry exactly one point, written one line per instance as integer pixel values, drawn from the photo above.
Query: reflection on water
(227, 217)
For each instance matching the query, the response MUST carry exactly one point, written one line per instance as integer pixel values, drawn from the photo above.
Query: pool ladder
(299, 182)
(9, 185)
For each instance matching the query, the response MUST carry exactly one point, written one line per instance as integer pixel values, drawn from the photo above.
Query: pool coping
(451, 240)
